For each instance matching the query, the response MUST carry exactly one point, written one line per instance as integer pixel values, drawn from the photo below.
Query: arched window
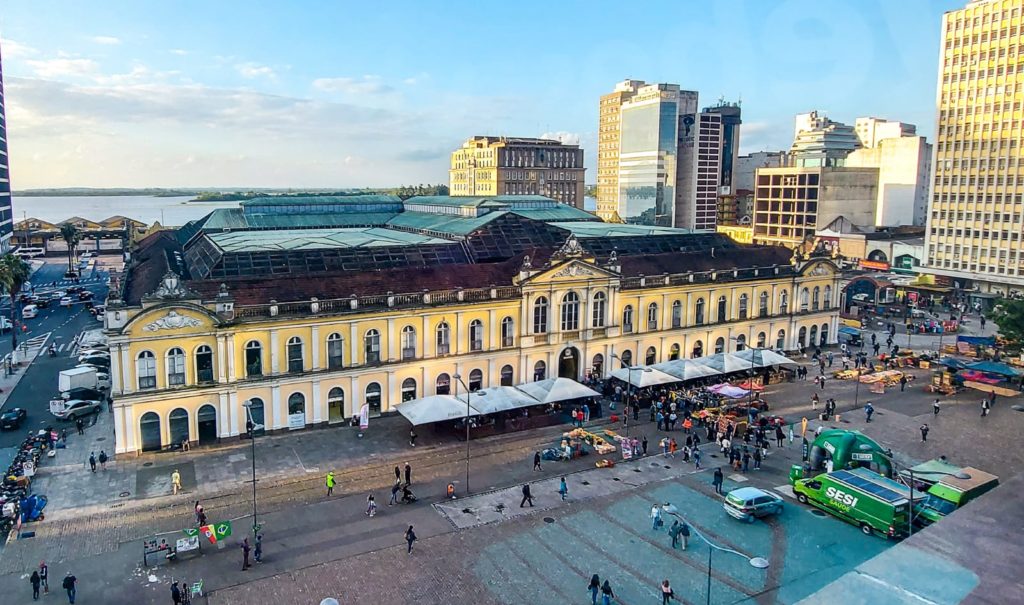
(175, 367)
(824, 335)
(805, 297)
(677, 314)
(204, 364)
(371, 342)
(784, 302)
(652, 316)
(335, 352)
(762, 338)
(828, 297)
(149, 429)
(373, 398)
(698, 312)
(720, 345)
(336, 405)
(652, 356)
(408, 343)
(813, 339)
(177, 426)
(723, 309)
(444, 338)
(507, 375)
(253, 359)
(780, 342)
(540, 370)
(762, 305)
(816, 299)
(598, 365)
(600, 301)
(408, 389)
(443, 385)
(297, 406)
(145, 370)
(294, 354)
(508, 332)
(743, 306)
(627, 319)
(626, 358)
(570, 312)
(476, 335)
(741, 342)
(673, 352)
(257, 415)
(476, 380)
(801, 337)
(540, 315)
(698, 349)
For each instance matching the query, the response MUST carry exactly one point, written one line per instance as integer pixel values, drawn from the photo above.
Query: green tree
(71, 236)
(14, 273)
(1008, 314)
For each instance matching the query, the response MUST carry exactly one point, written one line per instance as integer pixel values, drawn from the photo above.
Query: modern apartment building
(976, 216)
(731, 118)
(743, 179)
(819, 141)
(904, 167)
(652, 139)
(6, 210)
(518, 166)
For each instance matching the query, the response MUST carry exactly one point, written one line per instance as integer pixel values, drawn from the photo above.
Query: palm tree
(71, 237)
(14, 272)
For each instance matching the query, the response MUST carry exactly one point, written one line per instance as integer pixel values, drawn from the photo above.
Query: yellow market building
(307, 308)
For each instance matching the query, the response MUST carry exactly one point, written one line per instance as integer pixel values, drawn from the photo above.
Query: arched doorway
(698, 349)
(149, 427)
(569, 363)
(801, 337)
(673, 352)
(813, 340)
(443, 384)
(598, 366)
(257, 415)
(177, 424)
(506, 376)
(824, 335)
(652, 356)
(206, 424)
(373, 399)
(540, 370)
(335, 405)
(296, 411)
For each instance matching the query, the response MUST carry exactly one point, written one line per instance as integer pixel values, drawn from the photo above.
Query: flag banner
(222, 529)
(210, 532)
(364, 417)
(191, 531)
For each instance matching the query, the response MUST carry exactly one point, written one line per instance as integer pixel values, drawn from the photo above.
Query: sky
(326, 93)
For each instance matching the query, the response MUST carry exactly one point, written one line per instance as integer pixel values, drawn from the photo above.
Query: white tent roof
(685, 369)
(435, 408)
(725, 363)
(556, 389)
(642, 377)
(764, 358)
(498, 399)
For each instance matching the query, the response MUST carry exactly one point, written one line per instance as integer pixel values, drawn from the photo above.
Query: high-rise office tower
(655, 157)
(6, 211)
(727, 198)
(518, 166)
(976, 213)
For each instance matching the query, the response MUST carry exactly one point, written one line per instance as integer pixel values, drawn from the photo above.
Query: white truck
(79, 378)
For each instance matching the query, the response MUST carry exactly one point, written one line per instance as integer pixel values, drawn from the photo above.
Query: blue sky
(340, 94)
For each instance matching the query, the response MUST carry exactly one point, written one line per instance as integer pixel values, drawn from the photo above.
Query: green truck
(950, 493)
(861, 497)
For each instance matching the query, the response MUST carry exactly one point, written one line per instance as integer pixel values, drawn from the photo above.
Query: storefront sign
(862, 457)
(874, 265)
(187, 544)
(296, 421)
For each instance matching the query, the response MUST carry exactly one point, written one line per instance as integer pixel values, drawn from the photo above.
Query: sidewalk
(27, 352)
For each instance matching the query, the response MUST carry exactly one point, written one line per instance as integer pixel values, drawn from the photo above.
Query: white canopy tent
(497, 399)
(685, 369)
(642, 377)
(557, 389)
(725, 363)
(763, 358)
(435, 408)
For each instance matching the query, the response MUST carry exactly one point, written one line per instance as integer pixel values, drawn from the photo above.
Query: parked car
(42, 302)
(71, 275)
(77, 408)
(749, 503)
(75, 289)
(87, 353)
(12, 418)
(66, 301)
(85, 295)
(83, 393)
(5, 325)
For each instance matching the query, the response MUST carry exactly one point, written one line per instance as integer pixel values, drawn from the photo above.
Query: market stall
(435, 408)
(686, 369)
(643, 377)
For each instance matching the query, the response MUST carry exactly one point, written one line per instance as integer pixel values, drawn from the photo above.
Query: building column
(126, 382)
(131, 428)
(354, 345)
(428, 339)
(492, 331)
(275, 407)
(489, 378)
(115, 370)
(119, 430)
(389, 354)
(275, 355)
(315, 342)
(221, 359)
(234, 409)
(456, 345)
(232, 377)
(223, 418)
(388, 401)
(356, 403)
(318, 400)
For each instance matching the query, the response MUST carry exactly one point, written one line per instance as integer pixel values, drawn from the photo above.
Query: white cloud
(178, 51)
(366, 85)
(255, 70)
(568, 138)
(56, 68)
(14, 49)
(106, 40)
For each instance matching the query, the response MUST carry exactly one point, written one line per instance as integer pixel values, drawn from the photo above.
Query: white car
(65, 301)
(87, 353)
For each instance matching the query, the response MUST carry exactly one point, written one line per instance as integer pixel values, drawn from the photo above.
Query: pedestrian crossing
(63, 283)
(37, 341)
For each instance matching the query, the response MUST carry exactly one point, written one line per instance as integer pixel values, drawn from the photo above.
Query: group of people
(40, 580)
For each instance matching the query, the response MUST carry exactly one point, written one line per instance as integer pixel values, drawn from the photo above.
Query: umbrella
(763, 358)
(726, 363)
(556, 389)
(952, 362)
(643, 377)
(435, 408)
(994, 367)
(685, 369)
(498, 399)
(727, 390)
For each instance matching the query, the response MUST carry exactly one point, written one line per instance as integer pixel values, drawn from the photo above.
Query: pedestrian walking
(34, 581)
(924, 432)
(527, 496)
(64, 436)
(44, 577)
(257, 553)
(935, 408)
(70, 584)
(716, 480)
(696, 457)
(536, 461)
(92, 462)
(684, 534)
(329, 482)
(992, 399)
(563, 489)
(398, 474)
(586, 413)
(814, 398)
(175, 478)
(666, 592)
(80, 426)
(103, 460)
(245, 554)
(606, 593)
(371, 506)
(903, 383)
(868, 411)
(397, 487)
(746, 459)
(200, 514)
(412, 437)
(673, 533)
(779, 435)
(643, 444)
(594, 587)
(410, 537)
(757, 459)
(408, 474)
(656, 520)
(175, 593)
(984, 407)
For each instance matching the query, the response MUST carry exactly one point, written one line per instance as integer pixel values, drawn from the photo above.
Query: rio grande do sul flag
(216, 531)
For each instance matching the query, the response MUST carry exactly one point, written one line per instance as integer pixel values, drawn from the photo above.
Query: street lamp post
(251, 427)
(757, 562)
(458, 381)
(629, 383)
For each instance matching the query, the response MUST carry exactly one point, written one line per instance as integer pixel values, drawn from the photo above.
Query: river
(174, 211)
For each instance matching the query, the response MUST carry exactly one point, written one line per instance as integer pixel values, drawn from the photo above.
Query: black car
(83, 393)
(12, 418)
(74, 289)
(85, 295)
(42, 302)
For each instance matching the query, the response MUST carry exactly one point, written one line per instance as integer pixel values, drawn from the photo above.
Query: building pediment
(820, 268)
(171, 320)
(572, 270)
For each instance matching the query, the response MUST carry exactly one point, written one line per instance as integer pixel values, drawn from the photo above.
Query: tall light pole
(458, 381)
(758, 562)
(629, 383)
(250, 428)
(753, 351)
